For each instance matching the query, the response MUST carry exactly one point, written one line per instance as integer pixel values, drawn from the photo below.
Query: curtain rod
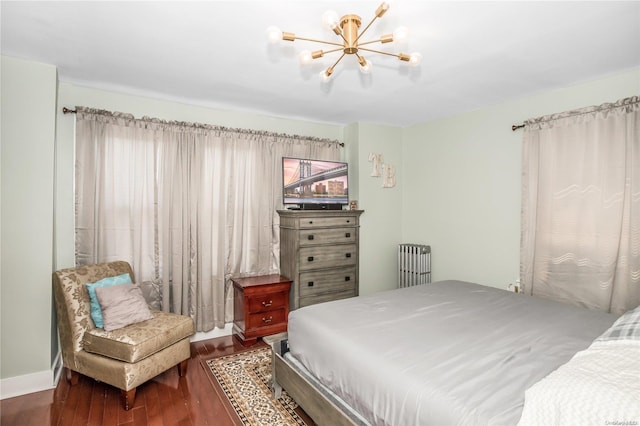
(514, 127)
(66, 110)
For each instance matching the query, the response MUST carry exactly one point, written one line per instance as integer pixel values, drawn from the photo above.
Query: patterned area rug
(245, 378)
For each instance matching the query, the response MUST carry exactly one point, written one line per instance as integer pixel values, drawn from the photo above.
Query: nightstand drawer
(267, 302)
(333, 281)
(268, 318)
(309, 237)
(333, 256)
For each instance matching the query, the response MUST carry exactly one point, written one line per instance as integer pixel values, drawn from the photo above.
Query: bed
(444, 353)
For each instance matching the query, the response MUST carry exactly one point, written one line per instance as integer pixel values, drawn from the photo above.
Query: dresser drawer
(328, 256)
(267, 318)
(310, 237)
(326, 297)
(327, 222)
(333, 281)
(267, 302)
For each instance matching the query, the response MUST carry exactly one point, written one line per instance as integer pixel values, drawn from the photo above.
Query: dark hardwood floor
(165, 400)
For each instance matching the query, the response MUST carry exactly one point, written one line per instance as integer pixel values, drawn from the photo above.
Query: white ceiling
(216, 54)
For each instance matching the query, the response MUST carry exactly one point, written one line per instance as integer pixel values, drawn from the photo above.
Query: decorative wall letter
(388, 176)
(377, 162)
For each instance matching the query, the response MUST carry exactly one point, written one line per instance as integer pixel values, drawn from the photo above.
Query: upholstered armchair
(125, 357)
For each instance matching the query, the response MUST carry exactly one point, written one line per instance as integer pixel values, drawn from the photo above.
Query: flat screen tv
(314, 184)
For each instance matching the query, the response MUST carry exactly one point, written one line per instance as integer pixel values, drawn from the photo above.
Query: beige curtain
(581, 206)
(188, 205)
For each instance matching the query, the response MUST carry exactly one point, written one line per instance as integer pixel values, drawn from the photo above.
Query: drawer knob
(347, 278)
(267, 304)
(348, 221)
(310, 284)
(310, 222)
(310, 237)
(347, 235)
(310, 258)
(348, 255)
(267, 320)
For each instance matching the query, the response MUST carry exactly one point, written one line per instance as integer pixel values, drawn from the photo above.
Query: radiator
(414, 264)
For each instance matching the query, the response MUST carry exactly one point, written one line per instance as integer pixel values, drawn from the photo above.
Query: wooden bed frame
(321, 409)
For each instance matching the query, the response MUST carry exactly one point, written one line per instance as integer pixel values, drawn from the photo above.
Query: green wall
(461, 181)
(380, 224)
(27, 179)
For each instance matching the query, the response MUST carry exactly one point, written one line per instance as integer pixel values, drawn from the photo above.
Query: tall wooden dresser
(319, 252)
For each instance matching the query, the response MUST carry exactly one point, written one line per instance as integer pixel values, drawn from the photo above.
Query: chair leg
(182, 367)
(72, 376)
(127, 398)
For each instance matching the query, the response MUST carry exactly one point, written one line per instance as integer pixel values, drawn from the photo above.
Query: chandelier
(347, 28)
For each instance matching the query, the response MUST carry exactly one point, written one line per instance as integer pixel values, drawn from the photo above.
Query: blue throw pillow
(96, 312)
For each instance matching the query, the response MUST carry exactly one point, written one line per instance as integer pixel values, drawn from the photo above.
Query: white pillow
(122, 305)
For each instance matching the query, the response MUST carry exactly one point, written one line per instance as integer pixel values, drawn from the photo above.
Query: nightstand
(260, 307)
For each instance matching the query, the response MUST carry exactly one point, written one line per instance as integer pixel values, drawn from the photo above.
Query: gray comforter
(445, 353)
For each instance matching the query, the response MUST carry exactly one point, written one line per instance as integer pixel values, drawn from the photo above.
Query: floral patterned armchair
(125, 357)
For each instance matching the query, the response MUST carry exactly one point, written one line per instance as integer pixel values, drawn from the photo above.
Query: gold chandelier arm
(316, 41)
(361, 60)
(332, 50)
(336, 62)
(401, 56)
(383, 39)
(344, 39)
(327, 73)
(366, 28)
(381, 10)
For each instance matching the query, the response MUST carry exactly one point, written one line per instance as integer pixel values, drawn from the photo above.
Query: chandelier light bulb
(305, 57)
(366, 68)
(325, 76)
(330, 19)
(400, 34)
(274, 34)
(415, 59)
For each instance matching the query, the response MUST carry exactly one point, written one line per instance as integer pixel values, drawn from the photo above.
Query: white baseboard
(48, 379)
(28, 383)
(216, 332)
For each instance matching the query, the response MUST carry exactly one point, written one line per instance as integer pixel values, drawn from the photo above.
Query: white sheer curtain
(581, 206)
(188, 205)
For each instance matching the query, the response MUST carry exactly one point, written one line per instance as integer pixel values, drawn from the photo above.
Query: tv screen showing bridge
(313, 180)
